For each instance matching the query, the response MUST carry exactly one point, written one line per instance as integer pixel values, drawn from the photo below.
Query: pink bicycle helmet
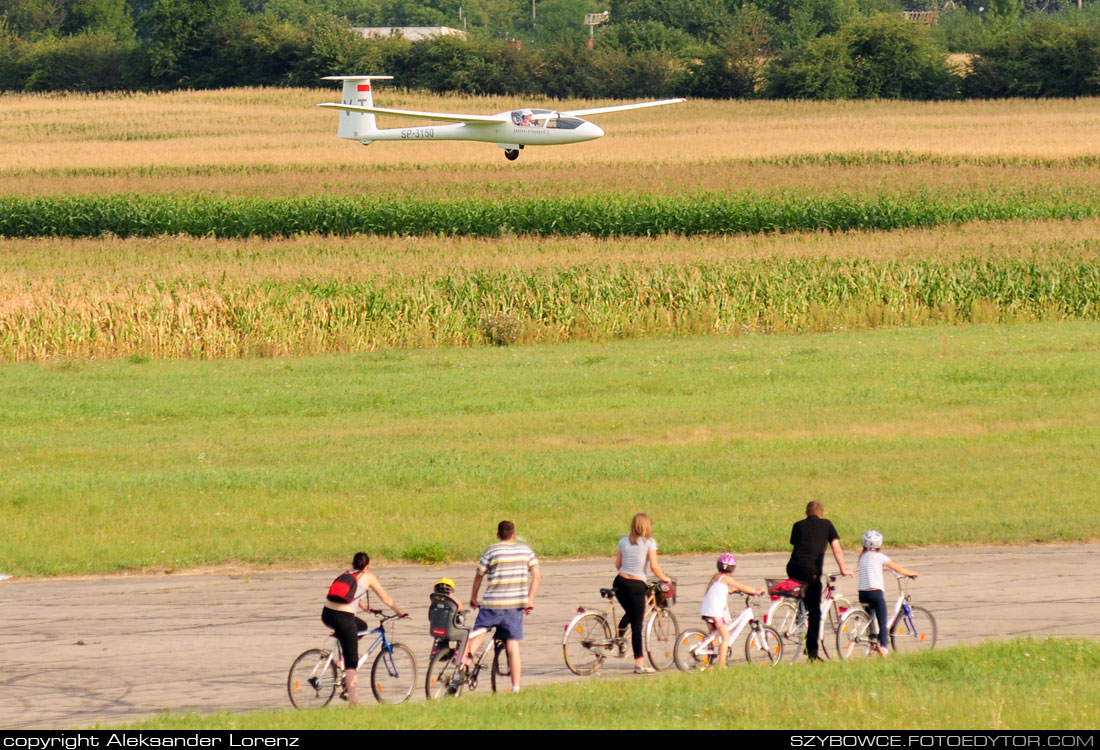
(726, 562)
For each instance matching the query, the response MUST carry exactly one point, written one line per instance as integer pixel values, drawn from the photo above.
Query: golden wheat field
(275, 141)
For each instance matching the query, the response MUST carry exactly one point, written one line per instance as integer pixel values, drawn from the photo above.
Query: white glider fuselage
(510, 130)
(501, 132)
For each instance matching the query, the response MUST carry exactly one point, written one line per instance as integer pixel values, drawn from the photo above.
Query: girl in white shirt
(871, 564)
(716, 601)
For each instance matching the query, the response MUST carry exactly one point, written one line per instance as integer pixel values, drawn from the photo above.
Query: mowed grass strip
(183, 298)
(135, 215)
(1018, 685)
(935, 436)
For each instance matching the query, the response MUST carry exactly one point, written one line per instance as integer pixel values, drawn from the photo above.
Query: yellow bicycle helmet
(444, 586)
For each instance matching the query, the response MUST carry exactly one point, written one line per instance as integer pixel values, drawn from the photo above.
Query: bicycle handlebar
(386, 618)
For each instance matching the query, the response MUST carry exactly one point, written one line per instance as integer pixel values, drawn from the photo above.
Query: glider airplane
(510, 130)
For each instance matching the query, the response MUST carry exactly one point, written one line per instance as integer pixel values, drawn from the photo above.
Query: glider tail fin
(357, 126)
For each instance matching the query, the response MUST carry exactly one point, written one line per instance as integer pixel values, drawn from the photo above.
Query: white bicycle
(911, 628)
(697, 650)
(788, 614)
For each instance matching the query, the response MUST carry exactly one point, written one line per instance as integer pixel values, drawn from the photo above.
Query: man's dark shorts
(509, 622)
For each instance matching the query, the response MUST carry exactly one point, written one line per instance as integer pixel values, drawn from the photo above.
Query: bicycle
(911, 628)
(791, 618)
(450, 674)
(318, 673)
(697, 650)
(590, 637)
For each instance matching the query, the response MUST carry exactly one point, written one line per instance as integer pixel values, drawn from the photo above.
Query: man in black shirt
(810, 538)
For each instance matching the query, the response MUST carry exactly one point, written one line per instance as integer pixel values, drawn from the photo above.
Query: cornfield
(610, 216)
(240, 318)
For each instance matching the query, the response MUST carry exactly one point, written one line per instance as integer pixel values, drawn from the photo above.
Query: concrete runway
(74, 653)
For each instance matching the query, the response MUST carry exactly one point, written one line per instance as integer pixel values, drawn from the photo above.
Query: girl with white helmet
(716, 601)
(871, 564)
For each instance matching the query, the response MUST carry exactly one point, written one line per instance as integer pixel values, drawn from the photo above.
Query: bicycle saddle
(607, 593)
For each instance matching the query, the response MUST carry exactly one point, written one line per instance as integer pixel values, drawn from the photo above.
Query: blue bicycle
(317, 675)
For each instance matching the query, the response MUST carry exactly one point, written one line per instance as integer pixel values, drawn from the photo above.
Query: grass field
(944, 435)
(933, 691)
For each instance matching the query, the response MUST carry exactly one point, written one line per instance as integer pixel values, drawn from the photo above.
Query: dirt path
(78, 652)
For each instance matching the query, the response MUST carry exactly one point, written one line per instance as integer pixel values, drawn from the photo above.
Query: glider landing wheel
(511, 154)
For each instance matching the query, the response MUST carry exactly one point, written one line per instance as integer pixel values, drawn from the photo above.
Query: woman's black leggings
(631, 594)
(347, 628)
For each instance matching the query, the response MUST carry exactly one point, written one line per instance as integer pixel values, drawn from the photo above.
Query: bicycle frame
(335, 652)
(746, 616)
(900, 605)
(468, 664)
(610, 615)
(830, 609)
(476, 659)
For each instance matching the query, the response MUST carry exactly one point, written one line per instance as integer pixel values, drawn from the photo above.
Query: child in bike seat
(716, 608)
(445, 612)
(871, 564)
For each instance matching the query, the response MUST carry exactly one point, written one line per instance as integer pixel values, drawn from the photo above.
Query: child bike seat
(443, 618)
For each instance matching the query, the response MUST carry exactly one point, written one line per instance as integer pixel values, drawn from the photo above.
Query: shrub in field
(501, 328)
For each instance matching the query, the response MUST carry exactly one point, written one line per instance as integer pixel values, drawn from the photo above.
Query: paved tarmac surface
(80, 652)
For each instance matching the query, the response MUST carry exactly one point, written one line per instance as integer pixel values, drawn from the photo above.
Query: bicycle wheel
(764, 647)
(786, 621)
(313, 679)
(915, 632)
(661, 629)
(587, 644)
(692, 653)
(502, 670)
(440, 680)
(854, 638)
(393, 675)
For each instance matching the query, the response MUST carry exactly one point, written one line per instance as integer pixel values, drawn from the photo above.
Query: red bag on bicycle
(789, 588)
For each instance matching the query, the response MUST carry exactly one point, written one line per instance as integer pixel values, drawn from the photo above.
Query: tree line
(809, 49)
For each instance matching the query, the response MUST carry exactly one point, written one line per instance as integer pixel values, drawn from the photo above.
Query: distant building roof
(412, 33)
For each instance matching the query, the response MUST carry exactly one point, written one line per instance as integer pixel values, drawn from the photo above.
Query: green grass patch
(934, 435)
(1019, 685)
(144, 215)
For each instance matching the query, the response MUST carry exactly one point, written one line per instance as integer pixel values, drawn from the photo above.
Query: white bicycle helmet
(872, 539)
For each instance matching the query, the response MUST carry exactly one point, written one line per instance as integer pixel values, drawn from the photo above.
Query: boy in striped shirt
(512, 578)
